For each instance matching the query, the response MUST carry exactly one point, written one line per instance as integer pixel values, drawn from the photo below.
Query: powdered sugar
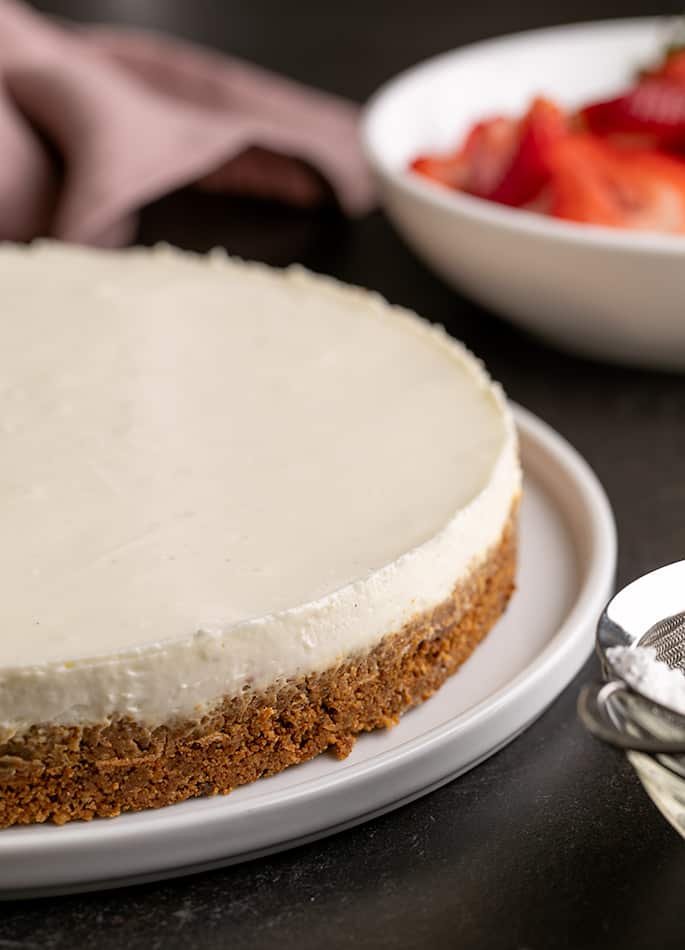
(639, 667)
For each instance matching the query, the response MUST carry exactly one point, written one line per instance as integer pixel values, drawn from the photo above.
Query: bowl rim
(516, 221)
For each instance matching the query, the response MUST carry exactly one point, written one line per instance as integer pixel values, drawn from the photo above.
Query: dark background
(551, 842)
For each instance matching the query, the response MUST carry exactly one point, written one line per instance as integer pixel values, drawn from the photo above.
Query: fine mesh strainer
(650, 612)
(647, 613)
(668, 639)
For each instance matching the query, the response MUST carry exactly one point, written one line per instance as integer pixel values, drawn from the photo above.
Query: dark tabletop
(551, 842)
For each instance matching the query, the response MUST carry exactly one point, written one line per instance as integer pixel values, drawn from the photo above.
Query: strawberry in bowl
(618, 162)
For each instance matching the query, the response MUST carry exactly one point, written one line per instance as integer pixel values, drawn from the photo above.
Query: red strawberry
(654, 110)
(479, 164)
(543, 126)
(673, 67)
(596, 183)
(450, 170)
(488, 150)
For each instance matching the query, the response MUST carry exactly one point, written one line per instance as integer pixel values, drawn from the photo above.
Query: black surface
(552, 842)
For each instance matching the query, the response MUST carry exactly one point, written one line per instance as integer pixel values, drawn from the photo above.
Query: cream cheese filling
(218, 476)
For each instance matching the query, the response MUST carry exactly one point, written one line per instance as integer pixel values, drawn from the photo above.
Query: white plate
(606, 292)
(567, 561)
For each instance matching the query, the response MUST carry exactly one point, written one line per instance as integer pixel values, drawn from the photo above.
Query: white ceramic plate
(567, 561)
(601, 291)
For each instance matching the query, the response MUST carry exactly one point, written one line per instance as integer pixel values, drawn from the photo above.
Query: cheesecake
(246, 514)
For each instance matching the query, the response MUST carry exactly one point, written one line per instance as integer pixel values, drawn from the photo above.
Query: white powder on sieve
(639, 667)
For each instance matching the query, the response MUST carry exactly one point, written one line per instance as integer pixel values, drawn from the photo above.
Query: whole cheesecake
(245, 515)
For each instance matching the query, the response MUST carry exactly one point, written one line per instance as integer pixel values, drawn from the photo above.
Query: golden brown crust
(61, 773)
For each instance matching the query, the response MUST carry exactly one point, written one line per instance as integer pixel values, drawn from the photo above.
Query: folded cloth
(95, 122)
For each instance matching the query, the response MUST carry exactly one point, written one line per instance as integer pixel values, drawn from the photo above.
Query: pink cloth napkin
(96, 122)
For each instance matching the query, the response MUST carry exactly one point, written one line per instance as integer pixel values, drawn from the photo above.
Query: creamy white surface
(216, 475)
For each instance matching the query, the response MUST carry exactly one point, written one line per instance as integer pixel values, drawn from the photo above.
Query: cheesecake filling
(219, 478)
(184, 679)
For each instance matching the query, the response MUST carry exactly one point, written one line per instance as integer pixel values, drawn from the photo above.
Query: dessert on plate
(246, 514)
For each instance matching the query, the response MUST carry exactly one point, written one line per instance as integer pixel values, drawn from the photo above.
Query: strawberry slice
(450, 170)
(673, 67)
(595, 183)
(528, 171)
(654, 111)
(502, 159)
(488, 151)
(478, 165)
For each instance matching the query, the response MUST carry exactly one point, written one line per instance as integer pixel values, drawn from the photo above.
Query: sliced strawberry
(673, 67)
(479, 164)
(595, 183)
(502, 159)
(488, 151)
(543, 126)
(450, 170)
(654, 110)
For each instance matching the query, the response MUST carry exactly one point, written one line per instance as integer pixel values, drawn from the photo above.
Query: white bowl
(617, 295)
